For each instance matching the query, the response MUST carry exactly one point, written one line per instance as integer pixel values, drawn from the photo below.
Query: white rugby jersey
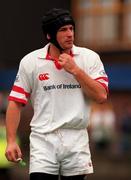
(56, 96)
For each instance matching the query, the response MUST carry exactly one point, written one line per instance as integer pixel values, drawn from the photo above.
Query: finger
(8, 156)
(60, 60)
(62, 56)
(19, 154)
(12, 155)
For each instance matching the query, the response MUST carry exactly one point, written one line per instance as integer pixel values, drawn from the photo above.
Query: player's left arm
(90, 86)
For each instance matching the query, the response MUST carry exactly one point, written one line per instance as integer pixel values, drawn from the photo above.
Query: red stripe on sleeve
(20, 90)
(11, 98)
(103, 84)
(104, 78)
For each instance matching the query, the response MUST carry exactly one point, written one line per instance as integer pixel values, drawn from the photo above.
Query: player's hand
(67, 62)
(13, 152)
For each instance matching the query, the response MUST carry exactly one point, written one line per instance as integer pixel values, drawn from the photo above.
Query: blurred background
(101, 25)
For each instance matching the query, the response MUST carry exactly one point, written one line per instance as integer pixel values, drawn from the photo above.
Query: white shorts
(63, 151)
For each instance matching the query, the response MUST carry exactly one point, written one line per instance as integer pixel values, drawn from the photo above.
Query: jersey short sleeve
(21, 89)
(97, 71)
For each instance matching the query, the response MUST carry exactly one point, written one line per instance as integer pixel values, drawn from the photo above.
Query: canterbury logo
(44, 76)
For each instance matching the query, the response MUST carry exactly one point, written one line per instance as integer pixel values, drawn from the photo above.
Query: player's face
(65, 36)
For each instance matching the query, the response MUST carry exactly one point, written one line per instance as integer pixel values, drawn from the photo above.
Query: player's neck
(55, 52)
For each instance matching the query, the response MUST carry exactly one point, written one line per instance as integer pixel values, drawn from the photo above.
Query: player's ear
(48, 37)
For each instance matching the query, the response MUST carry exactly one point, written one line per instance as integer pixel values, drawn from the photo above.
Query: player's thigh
(41, 176)
(77, 177)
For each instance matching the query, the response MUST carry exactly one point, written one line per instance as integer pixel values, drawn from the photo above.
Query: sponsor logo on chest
(43, 76)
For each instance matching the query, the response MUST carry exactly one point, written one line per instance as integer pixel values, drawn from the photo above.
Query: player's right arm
(17, 98)
(13, 151)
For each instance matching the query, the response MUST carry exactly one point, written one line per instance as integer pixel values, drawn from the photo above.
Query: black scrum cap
(53, 20)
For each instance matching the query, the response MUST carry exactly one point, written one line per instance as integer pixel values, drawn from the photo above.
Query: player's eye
(62, 29)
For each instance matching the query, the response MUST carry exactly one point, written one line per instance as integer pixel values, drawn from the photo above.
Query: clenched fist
(68, 63)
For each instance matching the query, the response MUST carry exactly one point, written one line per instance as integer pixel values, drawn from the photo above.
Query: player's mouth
(69, 41)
